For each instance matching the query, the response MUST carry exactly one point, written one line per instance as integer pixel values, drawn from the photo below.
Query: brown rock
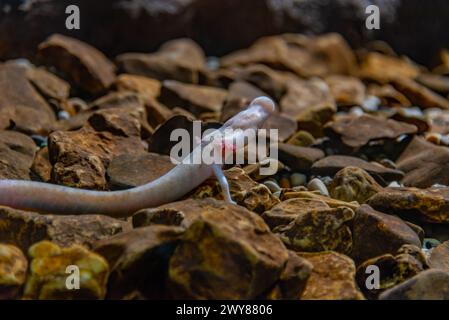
(353, 184)
(299, 158)
(356, 132)
(293, 279)
(23, 228)
(301, 139)
(194, 98)
(245, 191)
(388, 95)
(21, 106)
(139, 260)
(332, 278)
(434, 82)
(84, 65)
(424, 164)
(439, 257)
(314, 195)
(269, 80)
(420, 95)
(80, 158)
(13, 270)
(129, 170)
(287, 211)
(147, 88)
(48, 273)
(347, 91)
(376, 233)
(157, 113)
(285, 125)
(239, 240)
(42, 167)
(393, 270)
(427, 285)
(160, 142)
(319, 230)
(330, 165)
(382, 68)
(180, 59)
(16, 153)
(48, 84)
(428, 205)
(310, 102)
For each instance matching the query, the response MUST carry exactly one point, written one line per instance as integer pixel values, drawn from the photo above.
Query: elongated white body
(54, 199)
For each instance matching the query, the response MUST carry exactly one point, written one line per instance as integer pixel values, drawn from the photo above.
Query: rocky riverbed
(363, 169)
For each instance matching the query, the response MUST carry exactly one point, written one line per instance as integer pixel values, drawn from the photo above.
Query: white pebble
(298, 179)
(318, 185)
(394, 184)
(63, 115)
(371, 104)
(277, 194)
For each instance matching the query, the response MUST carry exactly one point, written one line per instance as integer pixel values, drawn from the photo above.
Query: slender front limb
(223, 183)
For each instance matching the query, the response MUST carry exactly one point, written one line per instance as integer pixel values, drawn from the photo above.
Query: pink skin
(54, 199)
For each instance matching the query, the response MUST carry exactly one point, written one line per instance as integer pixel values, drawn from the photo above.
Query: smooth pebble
(318, 185)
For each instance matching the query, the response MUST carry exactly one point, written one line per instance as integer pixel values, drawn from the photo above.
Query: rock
(273, 186)
(376, 233)
(319, 230)
(285, 125)
(393, 270)
(427, 205)
(87, 67)
(346, 90)
(48, 273)
(382, 68)
(17, 152)
(298, 179)
(21, 106)
(434, 82)
(80, 158)
(48, 84)
(302, 55)
(419, 171)
(147, 88)
(240, 241)
(317, 185)
(160, 141)
(287, 211)
(293, 279)
(355, 132)
(388, 95)
(420, 95)
(299, 158)
(310, 103)
(41, 168)
(427, 285)
(129, 170)
(353, 184)
(333, 203)
(245, 191)
(330, 165)
(13, 271)
(269, 80)
(253, 170)
(23, 228)
(301, 139)
(439, 257)
(180, 59)
(332, 278)
(194, 98)
(157, 113)
(139, 260)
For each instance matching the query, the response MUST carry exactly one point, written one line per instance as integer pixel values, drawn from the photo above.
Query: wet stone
(439, 257)
(17, 153)
(13, 271)
(376, 233)
(23, 228)
(48, 277)
(87, 67)
(299, 158)
(332, 278)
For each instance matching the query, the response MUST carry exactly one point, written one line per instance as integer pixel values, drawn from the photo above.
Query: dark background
(418, 28)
